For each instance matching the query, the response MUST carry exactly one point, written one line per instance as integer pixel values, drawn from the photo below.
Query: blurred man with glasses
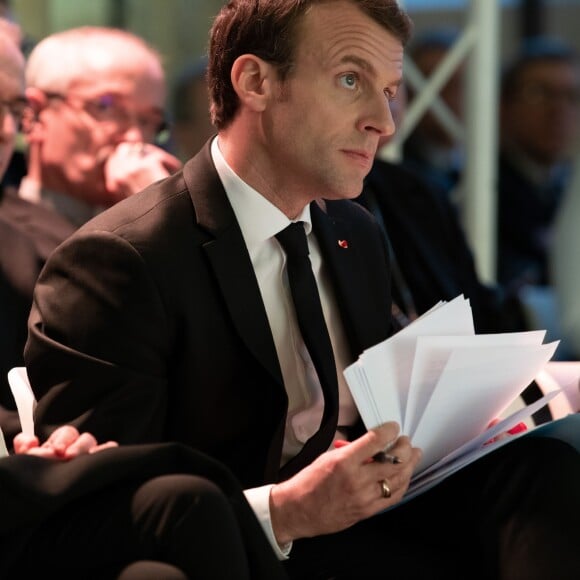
(98, 97)
(91, 110)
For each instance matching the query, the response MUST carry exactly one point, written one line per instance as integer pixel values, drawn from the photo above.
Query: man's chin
(356, 189)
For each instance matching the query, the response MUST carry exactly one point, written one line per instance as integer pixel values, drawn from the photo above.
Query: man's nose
(137, 127)
(379, 118)
(134, 133)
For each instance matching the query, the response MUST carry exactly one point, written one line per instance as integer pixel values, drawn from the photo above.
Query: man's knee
(167, 499)
(150, 570)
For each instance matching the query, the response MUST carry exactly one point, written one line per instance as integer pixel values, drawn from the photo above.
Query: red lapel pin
(343, 244)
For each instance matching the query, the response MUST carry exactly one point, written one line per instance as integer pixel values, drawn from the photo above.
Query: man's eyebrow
(367, 66)
(361, 62)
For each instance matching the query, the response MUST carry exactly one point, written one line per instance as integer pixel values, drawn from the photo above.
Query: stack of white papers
(444, 384)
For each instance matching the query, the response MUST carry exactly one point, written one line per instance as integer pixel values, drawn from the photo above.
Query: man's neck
(254, 167)
(74, 210)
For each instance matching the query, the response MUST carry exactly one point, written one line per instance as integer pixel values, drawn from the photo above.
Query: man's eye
(349, 80)
(105, 103)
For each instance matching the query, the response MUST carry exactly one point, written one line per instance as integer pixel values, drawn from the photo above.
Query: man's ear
(37, 101)
(254, 81)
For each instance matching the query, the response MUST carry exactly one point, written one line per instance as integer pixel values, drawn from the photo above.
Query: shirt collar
(259, 219)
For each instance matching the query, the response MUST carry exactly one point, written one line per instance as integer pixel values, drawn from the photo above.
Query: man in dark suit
(171, 317)
(540, 119)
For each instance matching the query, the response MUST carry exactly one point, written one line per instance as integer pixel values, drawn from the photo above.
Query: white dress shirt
(259, 222)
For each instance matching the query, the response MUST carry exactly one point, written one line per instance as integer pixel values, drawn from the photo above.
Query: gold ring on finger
(385, 488)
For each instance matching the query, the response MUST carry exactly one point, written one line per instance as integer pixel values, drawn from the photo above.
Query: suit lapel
(230, 262)
(342, 253)
(232, 267)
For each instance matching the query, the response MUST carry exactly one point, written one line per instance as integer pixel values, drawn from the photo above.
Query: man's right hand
(343, 486)
(133, 166)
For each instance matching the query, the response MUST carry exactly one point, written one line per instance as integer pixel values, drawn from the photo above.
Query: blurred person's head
(191, 121)
(427, 51)
(12, 99)
(540, 101)
(91, 89)
(6, 10)
(8, 26)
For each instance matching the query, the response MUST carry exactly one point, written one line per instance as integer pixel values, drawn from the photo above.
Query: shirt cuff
(259, 500)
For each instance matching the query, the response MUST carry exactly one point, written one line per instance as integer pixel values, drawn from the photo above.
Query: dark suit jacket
(28, 234)
(526, 213)
(148, 323)
(431, 248)
(33, 489)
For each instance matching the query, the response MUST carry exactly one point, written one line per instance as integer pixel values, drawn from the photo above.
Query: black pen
(383, 457)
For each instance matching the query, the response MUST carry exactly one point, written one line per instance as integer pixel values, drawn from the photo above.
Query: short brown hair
(266, 28)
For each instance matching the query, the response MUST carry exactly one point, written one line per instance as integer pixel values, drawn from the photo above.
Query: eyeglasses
(111, 109)
(538, 94)
(15, 108)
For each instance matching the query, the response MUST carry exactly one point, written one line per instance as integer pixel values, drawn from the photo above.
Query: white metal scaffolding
(478, 46)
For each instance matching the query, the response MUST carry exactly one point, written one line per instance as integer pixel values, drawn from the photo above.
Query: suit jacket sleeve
(102, 321)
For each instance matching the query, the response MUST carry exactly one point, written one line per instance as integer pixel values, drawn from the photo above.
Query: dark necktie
(315, 334)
